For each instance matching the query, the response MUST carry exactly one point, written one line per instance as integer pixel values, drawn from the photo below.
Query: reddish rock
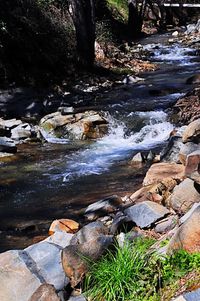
(192, 169)
(65, 225)
(160, 171)
(45, 292)
(187, 236)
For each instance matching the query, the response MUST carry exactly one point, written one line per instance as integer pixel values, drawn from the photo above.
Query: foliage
(37, 41)
(134, 272)
(119, 8)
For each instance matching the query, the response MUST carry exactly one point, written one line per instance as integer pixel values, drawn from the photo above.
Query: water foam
(117, 146)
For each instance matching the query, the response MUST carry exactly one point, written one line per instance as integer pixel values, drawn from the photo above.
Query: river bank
(129, 113)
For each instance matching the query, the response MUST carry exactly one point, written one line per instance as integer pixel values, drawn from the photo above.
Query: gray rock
(77, 298)
(184, 218)
(146, 213)
(191, 296)
(184, 196)
(170, 153)
(18, 279)
(89, 232)
(166, 225)
(7, 145)
(47, 257)
(103, 207)
(119, 220)
(187, 149)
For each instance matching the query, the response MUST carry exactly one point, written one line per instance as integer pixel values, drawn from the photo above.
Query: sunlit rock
(187, 236)
(146, 213)
(184, 196)
(63, 225)
(160, 171)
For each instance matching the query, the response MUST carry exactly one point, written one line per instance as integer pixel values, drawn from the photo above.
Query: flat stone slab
(18, 281)
(22, 272)
(146, 213)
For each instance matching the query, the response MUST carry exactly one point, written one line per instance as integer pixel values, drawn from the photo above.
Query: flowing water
(58, 179)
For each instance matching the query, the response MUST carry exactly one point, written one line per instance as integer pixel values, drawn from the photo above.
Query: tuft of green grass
(134, 272)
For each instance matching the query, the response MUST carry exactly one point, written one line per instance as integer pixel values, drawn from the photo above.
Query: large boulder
(87, 125)
(192, 169)
(22, 272)
(192, 132)
(183, 196)
(76, 259)
(19, 280)
(7, 145)
(146, 213)
(45, 292)
(187, 236)
(159, 171)
(47, 257)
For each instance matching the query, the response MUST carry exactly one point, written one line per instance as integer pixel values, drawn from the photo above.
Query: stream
(59, 179)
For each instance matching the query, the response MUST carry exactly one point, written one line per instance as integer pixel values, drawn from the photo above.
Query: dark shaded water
(57, 180)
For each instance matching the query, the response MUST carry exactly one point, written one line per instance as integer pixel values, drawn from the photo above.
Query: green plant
(126, 274)
(135, 272)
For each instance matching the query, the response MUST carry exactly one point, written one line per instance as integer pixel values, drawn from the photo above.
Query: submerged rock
(146, 213)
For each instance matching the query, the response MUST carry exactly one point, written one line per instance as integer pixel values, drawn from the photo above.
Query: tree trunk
(135, 20)
(84, 22)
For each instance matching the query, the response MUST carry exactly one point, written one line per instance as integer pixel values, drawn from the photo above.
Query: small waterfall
(117, 146)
